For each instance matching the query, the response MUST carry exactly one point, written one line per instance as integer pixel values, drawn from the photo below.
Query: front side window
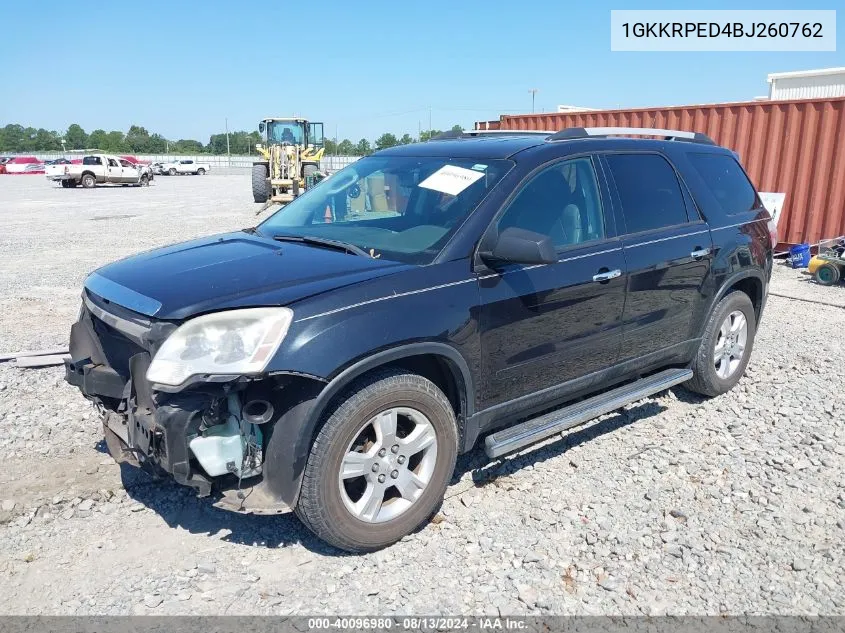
(726, 181)
(648, 190)
(561, 201)
(125, 163)
(401, 208)
(113, 163)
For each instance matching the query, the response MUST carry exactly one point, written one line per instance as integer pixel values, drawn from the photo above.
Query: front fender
(289, 441)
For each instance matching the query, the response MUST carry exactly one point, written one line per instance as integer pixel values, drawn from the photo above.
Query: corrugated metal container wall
(794, 147)
(814, 87)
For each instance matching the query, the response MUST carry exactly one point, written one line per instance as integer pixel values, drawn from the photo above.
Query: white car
(97, 169)
(185, 167)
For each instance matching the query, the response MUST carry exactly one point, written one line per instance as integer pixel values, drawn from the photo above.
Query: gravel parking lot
(673, 505)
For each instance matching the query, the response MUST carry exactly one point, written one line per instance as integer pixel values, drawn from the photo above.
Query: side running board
(536, 429)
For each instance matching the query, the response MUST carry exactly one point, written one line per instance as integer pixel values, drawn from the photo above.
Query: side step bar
(536, 429)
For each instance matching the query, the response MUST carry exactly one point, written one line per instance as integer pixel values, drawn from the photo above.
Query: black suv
(338, 357)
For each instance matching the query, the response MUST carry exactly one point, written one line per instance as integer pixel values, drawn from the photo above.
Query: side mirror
(520, 246)
(262, 127)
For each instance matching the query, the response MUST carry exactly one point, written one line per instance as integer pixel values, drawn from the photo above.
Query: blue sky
(182, 68)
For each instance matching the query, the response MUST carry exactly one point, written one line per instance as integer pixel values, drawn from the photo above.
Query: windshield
(285, 132)
(396, 207)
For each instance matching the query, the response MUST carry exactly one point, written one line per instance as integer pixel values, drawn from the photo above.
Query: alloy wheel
(388, 465)
(730, 344)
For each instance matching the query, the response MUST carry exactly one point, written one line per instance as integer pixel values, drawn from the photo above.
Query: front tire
(172, 171)
(725, 347)
(379, 467)
(260, 183)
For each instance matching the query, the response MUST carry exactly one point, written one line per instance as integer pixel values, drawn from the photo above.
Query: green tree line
(137, 140)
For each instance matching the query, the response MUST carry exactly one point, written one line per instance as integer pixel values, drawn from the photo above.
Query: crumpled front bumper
(140, 426)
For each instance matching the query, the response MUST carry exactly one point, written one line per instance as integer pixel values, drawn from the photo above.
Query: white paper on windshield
(451, 179)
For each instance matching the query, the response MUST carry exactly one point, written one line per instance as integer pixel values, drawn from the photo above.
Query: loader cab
(291, 132)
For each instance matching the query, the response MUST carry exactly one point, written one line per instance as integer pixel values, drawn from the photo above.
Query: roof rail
(448, 134)
(571, 133)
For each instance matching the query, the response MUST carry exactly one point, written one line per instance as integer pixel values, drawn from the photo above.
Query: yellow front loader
(291, 153)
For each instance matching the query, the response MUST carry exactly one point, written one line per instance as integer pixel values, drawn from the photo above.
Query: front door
(542, 326)
(668, 250)
(129, 172)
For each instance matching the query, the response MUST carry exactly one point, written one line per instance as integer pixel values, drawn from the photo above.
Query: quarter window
(561, 201)
(648, 190)
(726, 181)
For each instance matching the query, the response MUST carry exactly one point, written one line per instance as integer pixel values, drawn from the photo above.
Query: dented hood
(228, 271)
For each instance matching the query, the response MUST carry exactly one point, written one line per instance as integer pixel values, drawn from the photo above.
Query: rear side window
(649, 191)
(92, 160)
(726, 180)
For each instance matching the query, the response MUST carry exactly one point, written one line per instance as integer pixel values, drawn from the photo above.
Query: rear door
(668, 250)
(542, 326)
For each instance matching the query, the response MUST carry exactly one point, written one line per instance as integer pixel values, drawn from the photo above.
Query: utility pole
(227, 143)
(429, 121)
(533, 92)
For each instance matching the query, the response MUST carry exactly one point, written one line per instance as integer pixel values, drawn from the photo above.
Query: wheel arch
(751, 282)
(439, 362)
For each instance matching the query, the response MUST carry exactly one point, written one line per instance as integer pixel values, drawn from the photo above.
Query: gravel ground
(673, 505)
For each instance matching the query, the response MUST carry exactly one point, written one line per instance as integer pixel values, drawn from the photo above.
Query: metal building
(807, 84)
(796, 147)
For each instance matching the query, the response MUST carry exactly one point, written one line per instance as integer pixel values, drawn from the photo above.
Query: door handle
(700, 253)
(607, 275)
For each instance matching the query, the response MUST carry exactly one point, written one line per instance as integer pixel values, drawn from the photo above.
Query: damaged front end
(208, 432)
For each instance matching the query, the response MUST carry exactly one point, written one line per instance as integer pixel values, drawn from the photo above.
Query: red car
(23, 165)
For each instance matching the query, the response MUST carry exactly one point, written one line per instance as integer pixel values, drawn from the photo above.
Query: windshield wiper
(324, 242)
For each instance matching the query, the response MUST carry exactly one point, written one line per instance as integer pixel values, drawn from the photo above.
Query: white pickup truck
(185, 167)
(97, 169)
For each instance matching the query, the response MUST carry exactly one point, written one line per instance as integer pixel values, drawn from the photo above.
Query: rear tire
(725, 347)
(88, 181)
(827, 274)
(356, 438)
(200, 172)
(65, 184)
(260, 184)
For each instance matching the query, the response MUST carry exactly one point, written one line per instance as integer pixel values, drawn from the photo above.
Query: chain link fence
(328, 163)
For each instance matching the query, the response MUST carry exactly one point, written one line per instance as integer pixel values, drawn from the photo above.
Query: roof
(500, 146)
(805, 73)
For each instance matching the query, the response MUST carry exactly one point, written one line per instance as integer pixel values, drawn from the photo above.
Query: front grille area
(117, 348)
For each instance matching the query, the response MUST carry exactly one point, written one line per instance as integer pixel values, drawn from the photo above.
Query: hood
(228, 271)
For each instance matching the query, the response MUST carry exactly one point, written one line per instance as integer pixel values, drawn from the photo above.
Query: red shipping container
(793, 147)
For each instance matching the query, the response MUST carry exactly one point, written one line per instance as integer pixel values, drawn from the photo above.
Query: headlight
(231, 342)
